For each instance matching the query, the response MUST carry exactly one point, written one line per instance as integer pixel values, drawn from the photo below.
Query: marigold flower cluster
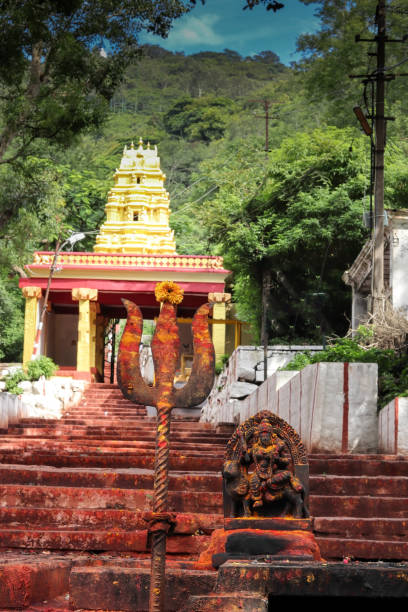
(168, 291)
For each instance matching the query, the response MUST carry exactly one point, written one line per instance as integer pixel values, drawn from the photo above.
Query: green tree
(199, 118)
(32, 210)
(55, 74)
(331, 54)
(301, 220)
(11, 320)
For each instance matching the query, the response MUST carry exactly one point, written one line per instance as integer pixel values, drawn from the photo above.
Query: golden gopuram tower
(138, 207)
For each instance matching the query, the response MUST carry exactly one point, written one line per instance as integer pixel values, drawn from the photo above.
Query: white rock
(26, 386)
(38, 387)
(241, 389)
(246, 374)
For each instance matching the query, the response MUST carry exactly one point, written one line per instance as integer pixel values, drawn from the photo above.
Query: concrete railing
(11, 409)
(333, 406)
(393, 427)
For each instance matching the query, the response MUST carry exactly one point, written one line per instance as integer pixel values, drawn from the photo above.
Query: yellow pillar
(219, 312)
(86, 327)
(219, 301)
(32, 295)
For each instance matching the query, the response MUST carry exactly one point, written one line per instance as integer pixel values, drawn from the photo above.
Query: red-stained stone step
(65, 539)
(233, 602)
(359, 485)
(367, 550)
(81, 497)
(358, 465)
(107, 460)
(190, 523)
(112, 588)
(29, 580)
(359, 506)
(102, 446)
(381, 528)
(93, 478)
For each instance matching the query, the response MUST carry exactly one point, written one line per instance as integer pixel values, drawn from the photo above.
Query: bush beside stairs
(75, 495)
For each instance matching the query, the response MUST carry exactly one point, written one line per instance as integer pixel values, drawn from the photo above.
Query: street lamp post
(75, 237)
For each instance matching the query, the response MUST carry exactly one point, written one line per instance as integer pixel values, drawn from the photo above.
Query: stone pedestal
(256, 538)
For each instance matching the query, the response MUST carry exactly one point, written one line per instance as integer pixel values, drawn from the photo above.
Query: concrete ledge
(315, 579)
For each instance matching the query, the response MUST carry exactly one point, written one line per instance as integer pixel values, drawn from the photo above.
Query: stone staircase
(75, 496)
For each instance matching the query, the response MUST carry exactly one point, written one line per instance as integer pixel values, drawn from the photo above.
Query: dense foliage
(55, 75)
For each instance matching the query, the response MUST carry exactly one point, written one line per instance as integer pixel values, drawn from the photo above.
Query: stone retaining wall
(243, 375)
(333, 406)
(393, 427)
(42, 399)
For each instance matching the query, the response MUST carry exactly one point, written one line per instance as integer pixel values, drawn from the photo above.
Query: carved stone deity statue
(265, 470)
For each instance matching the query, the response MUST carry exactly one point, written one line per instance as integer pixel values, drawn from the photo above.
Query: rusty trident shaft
(165, 350)
(161, 484)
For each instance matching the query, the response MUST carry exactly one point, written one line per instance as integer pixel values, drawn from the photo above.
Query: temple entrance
(110, 351)
(226, 334)
(113, 333)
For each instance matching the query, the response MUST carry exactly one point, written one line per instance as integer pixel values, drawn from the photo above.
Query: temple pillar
(32, 295)
(86, 299)
(219, 301)
(219, 312)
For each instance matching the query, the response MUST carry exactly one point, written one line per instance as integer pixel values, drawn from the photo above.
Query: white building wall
(399, 260)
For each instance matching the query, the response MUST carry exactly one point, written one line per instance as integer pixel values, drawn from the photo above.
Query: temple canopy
(134, 250)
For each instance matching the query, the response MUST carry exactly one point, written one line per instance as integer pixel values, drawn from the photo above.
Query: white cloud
(195, 31)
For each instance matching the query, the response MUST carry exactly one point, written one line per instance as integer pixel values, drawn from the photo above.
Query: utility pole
(379, 121)
(267, 105)
(378, 254)
(266, 274)
(266, 287)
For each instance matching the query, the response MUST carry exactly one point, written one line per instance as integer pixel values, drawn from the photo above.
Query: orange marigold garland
(168, 291)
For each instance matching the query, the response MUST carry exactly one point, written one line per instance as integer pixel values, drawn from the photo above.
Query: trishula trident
(163, 395)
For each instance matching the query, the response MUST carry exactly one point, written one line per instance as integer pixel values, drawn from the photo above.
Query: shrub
(392, 367)
(221, 363)
(12, 381)
(42, 366)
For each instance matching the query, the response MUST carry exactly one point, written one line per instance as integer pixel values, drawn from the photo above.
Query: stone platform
(252, 586)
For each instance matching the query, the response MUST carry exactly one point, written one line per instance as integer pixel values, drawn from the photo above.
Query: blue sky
(221, 24)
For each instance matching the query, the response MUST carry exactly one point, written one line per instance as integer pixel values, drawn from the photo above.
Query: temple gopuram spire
(138, 207)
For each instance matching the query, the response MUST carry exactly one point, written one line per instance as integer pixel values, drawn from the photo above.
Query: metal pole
(378, 252)
(266, 276)
(267, 104)
(37, 341)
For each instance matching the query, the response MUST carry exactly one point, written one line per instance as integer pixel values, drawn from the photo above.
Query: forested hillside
(296, 210)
